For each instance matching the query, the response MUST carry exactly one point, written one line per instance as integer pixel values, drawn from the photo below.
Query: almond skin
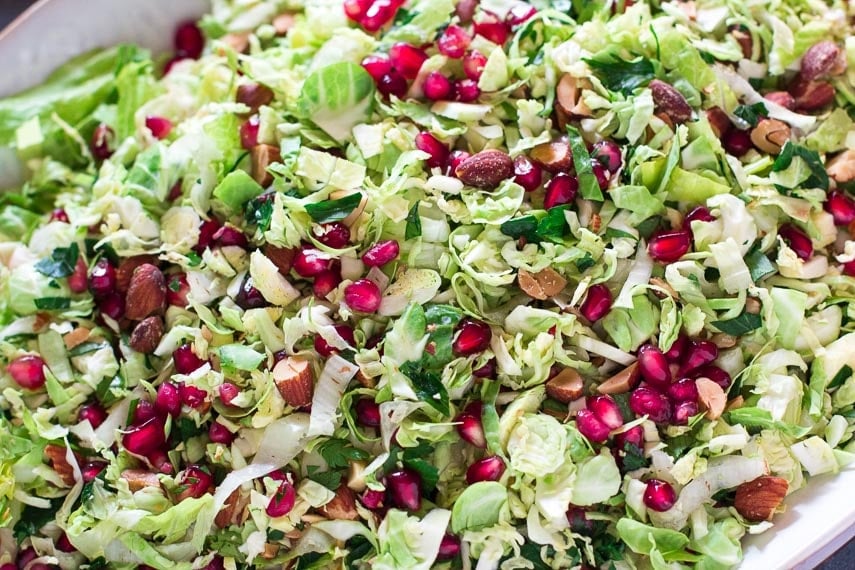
(758, 499)
(811, 95)
(343, 505)
(553, 156)
(262, 156)
(234, 512)
(842, 167)
(485, 169)
(670, 101)
(822, 60)
(541, 285)
(770, 135)
(622, 382)
(127, 267)
(254, 95)
(146, 335)
(282, 257)
(139, 479)
(294, 378)
(712, 397)
(56, 454)
(565, 386)
(146, 293)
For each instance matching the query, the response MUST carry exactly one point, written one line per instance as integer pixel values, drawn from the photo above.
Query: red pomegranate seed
(698, 214)
(841, 206)
(848, 268)
(62, 544)
(674, 353)
(228, 392)
(438, 151)
(471, 337)
(491, 27)
(25, 557)
(146, 438)
(310, 261)
(334, 234)
(326, 282)
(206, 235)
(579, 521)
(191, 396)
(591, 427)
(797, 240)
(467, 90)
(487, 469)
(683, 412)
(363, 296)
(669, 246)
(59, 215)
(527, 174)
(698, 353)
(449, 548)
(520, 14)
(454, 42)
(454, 160)
(633, 436)
(714, 373)
(91, 470)
(737, 142)
(380, 13)
(465, 10)
(218, 433)
(27, 371)
(560, 190)
(377, 66)
(654, 366)
(437, 87)
(646, 401)
(597, 304)
(368, 412)
(486, 371)
(160, 127)
(601, 174)
(325, 350)
(189, 41)
(373, 500)
(282, 501)
(160, 461)
(168, 399)
(404, 489)
(95, 414)
(407, 59)
(393, 83)
(606, 410)
(473, 64)
(356, 9)
(683, 390)
(659, 495)
(782, 98)
(113, 306)
(177, 289)
(78, 281)
(143, 412)
(195, 482)
(469, 425)
(186, 360)
(230, 235)
(608, 154)
(249, 133)
(102, 279)
(381, 253)
(103, 142)
(249, 297)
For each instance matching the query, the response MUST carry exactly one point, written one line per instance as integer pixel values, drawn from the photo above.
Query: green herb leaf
(743, 324)
(759, 265)
(441, 320)
(818, 177)
(553, 225)
(86, 348)
(259, 212)
(842, 376)
(428, 386)
(584, 263)
(426, 470)
(338, 453)
(61, 262)
(633, 457)
(109, 390)
(621, 75)
(588, 185)
(358, 548)
(524, 226)
(414, 223)
(52, 303)
(329, 479)
(333, 210)
(33, 519)
(751, 114)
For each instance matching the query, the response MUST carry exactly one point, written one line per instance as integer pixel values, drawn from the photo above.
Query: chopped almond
(622, 382)
(234, 512)
(758, 499)
(712, 396)
(140, 479)
(262, 156)
(56, 454)
(342, 506)
(541, 285)
(294, 378)
(76, 337)
(565, 386)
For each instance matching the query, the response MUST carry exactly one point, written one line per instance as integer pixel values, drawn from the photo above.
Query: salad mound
(430, 284)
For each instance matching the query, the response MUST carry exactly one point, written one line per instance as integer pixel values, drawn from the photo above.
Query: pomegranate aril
(465, 10)
(486, 371)
(230, 235)
(160, 461)
(597, 304)
(218, 433)
(195, 482)
(674, 353)
(160, 127)
(633, 436)
(381, 253)
(393, 83)
(91, 470)
(453, 42)
(454, 160)
(95, 414)
(404, 489)
(848, 268)
(683, 390)
(228, 392)
(469, 425)
(325, 283)
(143, 412)
(102, 279)
(146, 438)
(363, 296)
(27, 371)
(737, 142)
(579, 521)
(683, 412)
(378, 14)
(601, 174)
(102, 143)
(487, 469)
(449, 548)
(407, 59)
(714, 373)
(78, 281)
(249, 297)
(520, 14)
(206, 235)
(473, 64)
(113, 306)
(373, 500)
(431, 145)
(186, 360)
(606, 410)
(368, 412)
(654, 366)
(560, 190)
(491, 27)
(699, 214)
(191, 396)
(177, 289)
(437, 87)
(168, 399)
(591, 427)
(527, 174)
(310, 261)
(841, 206)
(249, 133)
(797, 240)
(62, 544)
(659, 495)
(334, 234)
(669, 246)
(189, 40)
(59, 215)
(356, 9)
(646, 401)
(324, 349)
(608, 154)
(467, 90)
(471, 337)
(282, 501)
(698, 353)
(377, 66)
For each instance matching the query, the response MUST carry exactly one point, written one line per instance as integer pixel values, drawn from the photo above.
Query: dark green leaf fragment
(414, 223)
(743, 324)
(52, 303)
(334, 210)
(428, 386)
(759, 265)
(751, 114)
(818, 177)
(621, 75)
(524, 226)
(589, 188)
(61, 262)
(338, 453)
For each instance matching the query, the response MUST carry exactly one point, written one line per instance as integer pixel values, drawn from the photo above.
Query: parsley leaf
(759, 265)
(414, 223)
(524, 226)
(621, 75)
(428, 386)
(52, 303)
(744, 323)
(334, 210)
(818, 176)
(61, 262)
(751, 114)
(259, 211)
(33, 519)
(588, 185)
(553, 225)
(338, 453)
(329, 479)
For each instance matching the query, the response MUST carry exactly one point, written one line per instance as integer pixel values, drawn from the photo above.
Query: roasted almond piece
(758, 499)
(294, 378)
(254, 95)
(541, 285)
(485, 169)
(822, 60)
(140, 479)
(262, 156)
(723, 340)
(238, 41)
(553, 156)
(282, 257)
(719, 121)
(234, 512)
(781, 98)
(842, 167)
(770, 135)
(670, 101)
(127, 267)
(565, 386)
(283, 23)
(56, 454)
(76, 337)
(622, 382)
(712, 397)
(146, 293)
(811, 95)
(342, 506)
(753, 305)
(146, 335)
(743, 37)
